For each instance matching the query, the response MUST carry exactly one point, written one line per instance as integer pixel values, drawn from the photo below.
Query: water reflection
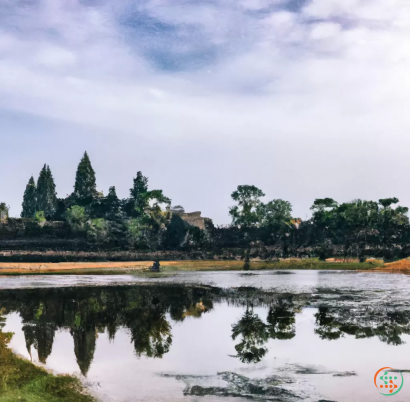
(254, 334)
(147, 312)
(388, 326)
(281, 319)
(87, 312)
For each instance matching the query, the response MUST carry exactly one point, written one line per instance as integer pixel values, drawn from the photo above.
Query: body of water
(217, 336)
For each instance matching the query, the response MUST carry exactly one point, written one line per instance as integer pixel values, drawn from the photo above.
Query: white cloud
(321, 93)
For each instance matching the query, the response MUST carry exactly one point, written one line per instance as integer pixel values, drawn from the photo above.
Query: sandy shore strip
(27, 267)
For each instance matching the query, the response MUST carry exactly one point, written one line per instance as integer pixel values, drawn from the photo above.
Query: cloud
(304, 99)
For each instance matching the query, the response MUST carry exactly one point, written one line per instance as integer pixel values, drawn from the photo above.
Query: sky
(303, 99)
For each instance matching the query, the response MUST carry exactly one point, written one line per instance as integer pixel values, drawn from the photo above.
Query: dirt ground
(401, 265)
(31, 267)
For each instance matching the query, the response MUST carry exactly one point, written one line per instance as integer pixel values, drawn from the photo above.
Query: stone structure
(194, 219)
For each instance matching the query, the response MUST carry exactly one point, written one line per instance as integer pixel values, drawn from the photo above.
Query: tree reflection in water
(85, 312)
(281, 320)
(254, 334)
(146, 312)
(388, 326)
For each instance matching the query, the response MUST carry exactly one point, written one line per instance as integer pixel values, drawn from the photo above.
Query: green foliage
(85, 187)
(97, 228)
(139, 194)
(176, 233)
(29, 200)
(4, 210)
(387, 202)
(80, 221)
(275, 213)
(359, 223)
(135, 230)
(46, 193)
(155, 198)
(247, 213)
(77, 218)
(39, 217)
(112, 205)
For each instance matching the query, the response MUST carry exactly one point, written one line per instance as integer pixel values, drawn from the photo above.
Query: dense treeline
(358, 228)
(147, 220)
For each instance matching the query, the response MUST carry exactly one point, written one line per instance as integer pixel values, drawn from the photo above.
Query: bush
(77, 218)
(4, 211)
(97, 228)
(39, 217)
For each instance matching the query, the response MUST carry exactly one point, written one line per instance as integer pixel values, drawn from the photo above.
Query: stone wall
(26, 228)
(194, 219)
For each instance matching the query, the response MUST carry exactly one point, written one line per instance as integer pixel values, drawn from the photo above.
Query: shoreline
(117, 267)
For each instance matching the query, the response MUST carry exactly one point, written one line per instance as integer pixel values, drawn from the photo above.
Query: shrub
(97, 228)
(77, 218)
(39, 217)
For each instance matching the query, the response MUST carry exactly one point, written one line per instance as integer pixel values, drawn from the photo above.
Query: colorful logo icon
(388, 381)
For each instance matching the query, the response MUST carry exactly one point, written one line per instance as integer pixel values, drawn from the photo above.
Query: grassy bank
(300, 264)
(21, 380)
(141, 267)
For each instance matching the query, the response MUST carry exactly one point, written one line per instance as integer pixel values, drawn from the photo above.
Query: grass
(237, 265)
(22, 381)
(300, 264)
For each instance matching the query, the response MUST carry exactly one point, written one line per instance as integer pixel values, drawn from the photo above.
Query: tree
(392, 224)
(156, 218)
(355, 223)
(46, 193)
(29, 199)
(139, 194)
(85, 187)
(4, 211)
(323, 220)
(275, 213)
(246, 214)
(276, 221)
(112, 205)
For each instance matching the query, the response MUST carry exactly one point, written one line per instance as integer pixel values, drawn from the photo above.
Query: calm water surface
(225, 336)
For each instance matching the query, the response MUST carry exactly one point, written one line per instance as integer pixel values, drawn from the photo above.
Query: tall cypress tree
(29, 199)
(51, 195)
(139, 192)
(113, 205)
(46, 193)
(42, 189)
(85, 187)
